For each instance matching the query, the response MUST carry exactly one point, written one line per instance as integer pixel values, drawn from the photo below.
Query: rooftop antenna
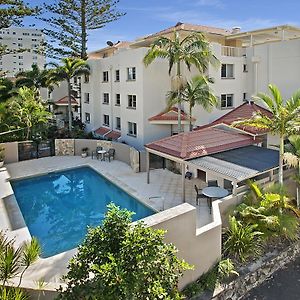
(110, 43)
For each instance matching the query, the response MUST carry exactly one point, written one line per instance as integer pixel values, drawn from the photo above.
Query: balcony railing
(233, 51)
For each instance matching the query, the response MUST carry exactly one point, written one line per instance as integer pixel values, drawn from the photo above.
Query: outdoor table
(102, 152)
(214, 192)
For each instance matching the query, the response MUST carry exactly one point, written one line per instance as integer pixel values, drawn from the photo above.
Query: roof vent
(235, 29)
(178, 24)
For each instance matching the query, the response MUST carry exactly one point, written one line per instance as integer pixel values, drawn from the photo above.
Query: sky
(144, 17)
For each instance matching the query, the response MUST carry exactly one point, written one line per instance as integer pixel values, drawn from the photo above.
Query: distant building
(16, 39)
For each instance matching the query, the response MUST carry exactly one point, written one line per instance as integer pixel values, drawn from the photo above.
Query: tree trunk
(281, 152)
(83, 53)
(178, 95)
(69, 105)
(190, 118)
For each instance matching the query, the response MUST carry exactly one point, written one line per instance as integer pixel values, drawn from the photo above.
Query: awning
(239, 164)
(106, 133)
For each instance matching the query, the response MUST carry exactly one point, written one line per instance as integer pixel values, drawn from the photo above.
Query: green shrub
(242, 241)
(122, 261)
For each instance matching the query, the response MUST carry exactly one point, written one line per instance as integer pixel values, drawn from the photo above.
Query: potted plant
(2, 155)
(84, 152)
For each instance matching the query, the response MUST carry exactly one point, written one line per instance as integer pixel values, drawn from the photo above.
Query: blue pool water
(59, 206)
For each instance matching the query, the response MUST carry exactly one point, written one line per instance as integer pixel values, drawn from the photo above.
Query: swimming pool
(58, 207)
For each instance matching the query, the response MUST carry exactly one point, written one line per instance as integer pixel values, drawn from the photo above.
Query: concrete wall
(199, 247)
(11, 152)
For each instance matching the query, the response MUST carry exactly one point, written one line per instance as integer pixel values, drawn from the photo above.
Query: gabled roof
(191, 27)
(107, 133)
(242, 112)
(64, 101)
(170, 115)
(199, 143)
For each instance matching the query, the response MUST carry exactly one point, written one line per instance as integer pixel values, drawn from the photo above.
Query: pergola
(224, 154)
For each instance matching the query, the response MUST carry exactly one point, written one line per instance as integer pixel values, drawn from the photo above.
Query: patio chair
(110, 154)
(212, 183)
(95, 153)
(199, 195)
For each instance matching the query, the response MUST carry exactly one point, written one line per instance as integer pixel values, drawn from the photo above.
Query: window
(131, 73)
(106, 120)
(118, 123)
(86, 78)
(132, 129)
(117, 75)
(20, 64)
(132, 101)
(20, 57)
(25, 33)
(14, 32)
(87, 118)
(34, 40)
(20, 39)
(105, 98)
(75, 80)
(226, 100)
(20, 45)
(34, 57)
(105, 76)
(86, 97)
(227, 71)
(245, 68)
(118, 99)
(244, 96)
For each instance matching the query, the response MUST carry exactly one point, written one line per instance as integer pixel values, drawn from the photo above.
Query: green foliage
(23, 111)
(122, 261)
(196, 91)
(192, 50)
(285, 119)
(221, 272)
(2, 153)
(68, 69)
(14, 262)
(70, 22)
(35, 78)
(242, 241)
(11, 293)
(6, 89)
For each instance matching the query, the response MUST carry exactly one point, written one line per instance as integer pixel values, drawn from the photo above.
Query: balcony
(233, 51)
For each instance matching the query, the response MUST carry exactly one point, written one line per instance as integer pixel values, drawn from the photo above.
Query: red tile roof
(242, 112)
(192, 27)
(170, 115)
(108, 133)
(199, 143)
(64, 101)
(102, 131)
(114, 135)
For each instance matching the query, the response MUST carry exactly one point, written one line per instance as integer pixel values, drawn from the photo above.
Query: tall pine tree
(70, 21)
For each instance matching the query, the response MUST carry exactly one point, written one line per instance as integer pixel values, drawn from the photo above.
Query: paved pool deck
(163, 192)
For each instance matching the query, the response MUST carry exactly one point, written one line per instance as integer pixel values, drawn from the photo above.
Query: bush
(208, 281)
(120, 261)
(242, 241)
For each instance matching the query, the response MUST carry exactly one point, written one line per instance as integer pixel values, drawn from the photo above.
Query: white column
(148, 166)
(183, 181)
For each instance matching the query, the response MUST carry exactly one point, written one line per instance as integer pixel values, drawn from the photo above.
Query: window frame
(118, 127)
(131, 73)
(117, 75)
(104, 99)
(105, 76)
(118, 103)
(87, 118)
(226, 71)
(226, 101)
(86, 98)
(131, 98)
(106, 118)
(133, 131)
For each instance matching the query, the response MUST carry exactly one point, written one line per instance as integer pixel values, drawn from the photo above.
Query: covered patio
(229, 157)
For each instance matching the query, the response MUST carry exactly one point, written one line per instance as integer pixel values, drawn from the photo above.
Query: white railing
(233, 51)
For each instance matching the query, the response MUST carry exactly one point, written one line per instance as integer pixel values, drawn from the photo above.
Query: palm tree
(34, 78)
(6, 89)
(193, 50)
(292, 158)
(284, 122)
(195, 92)
(70, 68)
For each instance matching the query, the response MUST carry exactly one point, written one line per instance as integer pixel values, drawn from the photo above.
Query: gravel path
(284, 284)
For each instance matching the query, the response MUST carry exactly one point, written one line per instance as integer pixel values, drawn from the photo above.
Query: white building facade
(121, 94)
(16, 40)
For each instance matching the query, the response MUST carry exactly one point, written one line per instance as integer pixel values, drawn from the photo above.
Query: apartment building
(122, 99)
(25, 45)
